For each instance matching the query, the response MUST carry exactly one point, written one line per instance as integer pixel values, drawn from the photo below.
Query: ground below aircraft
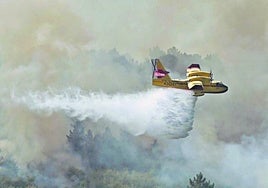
(200, 82)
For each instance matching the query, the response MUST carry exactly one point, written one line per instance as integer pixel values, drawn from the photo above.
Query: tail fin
(159, 72)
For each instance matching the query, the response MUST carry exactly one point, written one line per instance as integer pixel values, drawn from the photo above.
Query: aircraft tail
(159, 72)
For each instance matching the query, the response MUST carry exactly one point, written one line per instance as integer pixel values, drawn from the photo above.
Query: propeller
(211, 75)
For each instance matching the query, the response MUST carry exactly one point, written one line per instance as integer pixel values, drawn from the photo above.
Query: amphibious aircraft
(200, 82)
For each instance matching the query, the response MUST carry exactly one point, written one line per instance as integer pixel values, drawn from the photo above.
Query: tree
(76, 137)
(200, 182)
(83, 144)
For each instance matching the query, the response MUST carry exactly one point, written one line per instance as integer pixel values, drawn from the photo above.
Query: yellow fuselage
(208, 86)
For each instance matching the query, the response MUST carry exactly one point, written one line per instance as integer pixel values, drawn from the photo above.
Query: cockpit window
(219, 84)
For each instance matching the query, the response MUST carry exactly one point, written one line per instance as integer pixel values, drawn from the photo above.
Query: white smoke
(156, 112)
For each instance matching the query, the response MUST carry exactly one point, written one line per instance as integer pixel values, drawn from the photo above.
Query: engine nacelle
(195, 85)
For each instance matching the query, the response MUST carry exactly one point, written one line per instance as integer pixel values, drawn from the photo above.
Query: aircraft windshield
(219, 84)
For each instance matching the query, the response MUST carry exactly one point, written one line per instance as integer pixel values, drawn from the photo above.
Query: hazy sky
(46, 44)
(202, 27)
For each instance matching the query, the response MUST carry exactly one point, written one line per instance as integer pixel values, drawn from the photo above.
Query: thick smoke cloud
(56, 44)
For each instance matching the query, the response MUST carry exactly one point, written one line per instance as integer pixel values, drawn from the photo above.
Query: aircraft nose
(225, 88)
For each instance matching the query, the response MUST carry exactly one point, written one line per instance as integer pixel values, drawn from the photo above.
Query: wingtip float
(200, 82)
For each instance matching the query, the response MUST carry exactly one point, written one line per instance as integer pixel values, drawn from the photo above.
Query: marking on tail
(159, 72)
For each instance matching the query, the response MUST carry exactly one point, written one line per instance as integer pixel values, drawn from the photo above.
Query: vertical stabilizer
(159, 72)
